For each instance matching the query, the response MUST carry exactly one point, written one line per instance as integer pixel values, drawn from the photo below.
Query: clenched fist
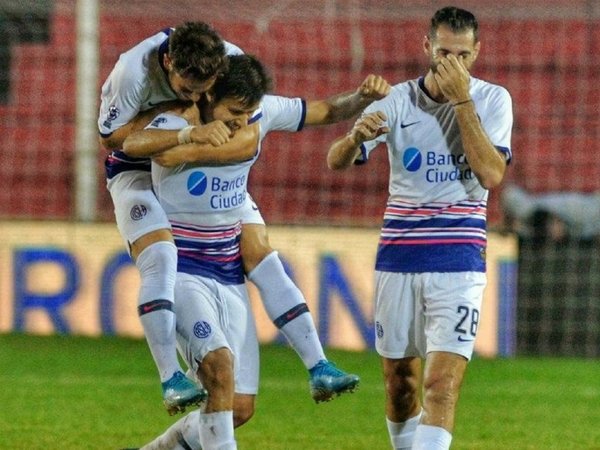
(374, 87)
(368, 127)
(215, 133)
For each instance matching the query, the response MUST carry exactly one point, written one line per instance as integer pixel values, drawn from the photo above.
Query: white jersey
(435, 219)
(205, 204)
(138, 82)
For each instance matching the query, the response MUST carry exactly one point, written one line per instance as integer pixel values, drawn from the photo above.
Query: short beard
(433, 67)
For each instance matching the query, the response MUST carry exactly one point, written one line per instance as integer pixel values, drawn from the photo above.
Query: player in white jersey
(206, 204)
(148, 75)
(179, 63)
(283, 301)
(215, 326)
(448, 139)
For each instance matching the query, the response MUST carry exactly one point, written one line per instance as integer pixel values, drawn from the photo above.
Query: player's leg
(442, 380)
(451, 305)
(242, 336)
(142, 222)
(182, 435)
(286, 307)
(202, 339)
(244, 406)
(283, 301)
(402, 381)
(185, 433)
(215, 371)
(398, 342)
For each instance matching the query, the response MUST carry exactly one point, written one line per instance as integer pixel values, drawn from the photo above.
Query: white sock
(216, 431)
(182, 435)
(428, 437)
(158, 267)
(286, 307)
(402, 434)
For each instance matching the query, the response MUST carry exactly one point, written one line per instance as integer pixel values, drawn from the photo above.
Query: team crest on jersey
(113, 113)
(202, 329)
(138, 212)
(379, 329)
(156, 122)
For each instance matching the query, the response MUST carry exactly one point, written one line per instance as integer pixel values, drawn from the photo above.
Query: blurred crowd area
(539, 50)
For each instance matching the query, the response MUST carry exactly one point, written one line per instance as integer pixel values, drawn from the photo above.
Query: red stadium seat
(534, 43)
(545, 65)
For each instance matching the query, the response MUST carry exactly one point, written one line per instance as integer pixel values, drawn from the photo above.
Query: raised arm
(344, 150)
(347, 105)
(487, 163)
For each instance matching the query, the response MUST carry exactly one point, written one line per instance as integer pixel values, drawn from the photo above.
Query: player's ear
(167, 62)
(427, 45)
(476, 49)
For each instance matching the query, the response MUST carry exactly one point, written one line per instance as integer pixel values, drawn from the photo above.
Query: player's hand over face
(453, 79)
(369, 127)
(215, 133)
(374, 87)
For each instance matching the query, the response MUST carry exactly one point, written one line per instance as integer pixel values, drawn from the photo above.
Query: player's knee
(216, 370)
(149, 239)
(402, 382)
(441, 390)
(402, 374)
(254, 246)
(443, 378)
(252, 255)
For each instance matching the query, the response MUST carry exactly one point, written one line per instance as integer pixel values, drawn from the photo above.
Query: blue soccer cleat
(179, 392)
(327, 381)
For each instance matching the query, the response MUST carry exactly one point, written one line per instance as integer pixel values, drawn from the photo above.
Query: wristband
(462, 103)
(185, 135)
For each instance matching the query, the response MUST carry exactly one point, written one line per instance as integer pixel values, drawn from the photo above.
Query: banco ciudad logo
(412, 159)
(197, 183)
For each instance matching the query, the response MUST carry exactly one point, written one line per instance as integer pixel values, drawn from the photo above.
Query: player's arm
(344, 150)
(347, 105)
(149, 142)
(486, 162)
(117, 138)
(241, 147)
(152, 142)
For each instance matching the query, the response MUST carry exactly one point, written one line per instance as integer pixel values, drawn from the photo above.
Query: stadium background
(543, 51)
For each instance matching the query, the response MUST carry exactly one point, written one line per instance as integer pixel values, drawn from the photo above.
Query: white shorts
(211, 315)
(418, 313)
(138, 211)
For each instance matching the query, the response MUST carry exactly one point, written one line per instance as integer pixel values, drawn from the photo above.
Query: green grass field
(81, 393)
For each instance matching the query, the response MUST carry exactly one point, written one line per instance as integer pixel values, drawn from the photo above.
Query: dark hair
(459, 20)
(246, 79)
(197, 51)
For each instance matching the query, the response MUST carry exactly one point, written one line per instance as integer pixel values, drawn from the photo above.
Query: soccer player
(448, 140)
(214, 322)
(182, 64)
(179, 63)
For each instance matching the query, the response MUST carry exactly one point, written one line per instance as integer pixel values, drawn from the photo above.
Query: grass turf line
(68, 393)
